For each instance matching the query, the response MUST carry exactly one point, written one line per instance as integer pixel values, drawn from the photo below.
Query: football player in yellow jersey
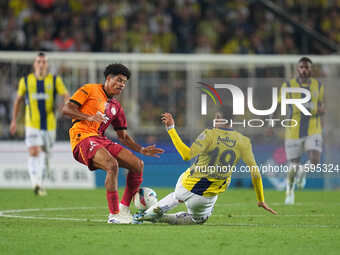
(217, 151)
(39, 90)
(306, 135)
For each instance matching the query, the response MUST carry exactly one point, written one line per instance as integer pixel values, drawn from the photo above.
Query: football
(145, 198)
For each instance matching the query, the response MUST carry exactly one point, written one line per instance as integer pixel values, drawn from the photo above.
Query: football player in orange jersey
(92, 109)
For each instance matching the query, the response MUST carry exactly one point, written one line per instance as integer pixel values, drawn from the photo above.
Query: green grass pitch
(74, 222)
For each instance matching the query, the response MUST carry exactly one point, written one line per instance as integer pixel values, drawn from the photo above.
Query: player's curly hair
(115, 69)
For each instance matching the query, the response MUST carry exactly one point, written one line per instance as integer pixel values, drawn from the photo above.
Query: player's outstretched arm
(181, 147)
(129, 142)
(258, 186)
(248, 158)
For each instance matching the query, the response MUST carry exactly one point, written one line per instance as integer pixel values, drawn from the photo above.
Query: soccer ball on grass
(144, 198)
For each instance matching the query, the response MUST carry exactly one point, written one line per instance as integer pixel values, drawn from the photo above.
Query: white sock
(47, 165)
(165, 204)
(180, 218)
(290, 184)
(33, 165)
(41, 168)
(301, 174)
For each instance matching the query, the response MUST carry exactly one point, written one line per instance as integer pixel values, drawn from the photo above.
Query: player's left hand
(266, 207)
(13, 127)
(321, 109)
(152, 151)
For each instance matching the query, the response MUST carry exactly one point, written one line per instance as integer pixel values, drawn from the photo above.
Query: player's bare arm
(321, 112)
(66, 97)
(321, 109)
(128, 141)
(17, 104)
(72, 110)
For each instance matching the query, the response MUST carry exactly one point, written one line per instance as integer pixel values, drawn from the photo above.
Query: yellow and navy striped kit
(306, 125)
(219, 147)
(40, 95)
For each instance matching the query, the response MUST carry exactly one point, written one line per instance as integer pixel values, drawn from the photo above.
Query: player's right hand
(266, 207)
(13, 127)
(99, 117)
(152, 151)
(167, 119)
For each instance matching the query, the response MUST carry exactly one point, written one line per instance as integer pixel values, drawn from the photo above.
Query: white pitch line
(50, 218)
(5, 214)
(47, 209)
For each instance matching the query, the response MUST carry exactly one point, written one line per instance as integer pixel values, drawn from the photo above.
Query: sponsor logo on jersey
(40, 96)
(226, 141)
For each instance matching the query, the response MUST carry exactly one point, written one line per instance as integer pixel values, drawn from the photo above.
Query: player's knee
(139, 166)
(295, 162)
(34, 151)
(111, 165)
(315, 159)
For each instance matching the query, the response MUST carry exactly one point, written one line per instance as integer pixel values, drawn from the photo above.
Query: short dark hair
(116, 69)
(226, 111)
(306, 59)
(41, 54)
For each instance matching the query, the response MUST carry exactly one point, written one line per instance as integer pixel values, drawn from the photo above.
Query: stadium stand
(177, 26)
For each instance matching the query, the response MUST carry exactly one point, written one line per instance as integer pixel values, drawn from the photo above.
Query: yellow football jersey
(306, 125)
(216, 149)
(40, 97)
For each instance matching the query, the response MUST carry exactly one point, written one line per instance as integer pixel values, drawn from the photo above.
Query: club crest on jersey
(226, 141)
(113, 111)
(201, 136)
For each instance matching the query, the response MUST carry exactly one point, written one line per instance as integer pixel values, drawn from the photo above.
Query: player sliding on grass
(93, 108)
(199, 186)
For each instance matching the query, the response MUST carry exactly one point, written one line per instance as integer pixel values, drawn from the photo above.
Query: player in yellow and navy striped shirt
(306, 135)
(39, 90)
(217, 151)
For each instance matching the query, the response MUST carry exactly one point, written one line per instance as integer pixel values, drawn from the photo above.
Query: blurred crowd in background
(165, 26)
(156, 26)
